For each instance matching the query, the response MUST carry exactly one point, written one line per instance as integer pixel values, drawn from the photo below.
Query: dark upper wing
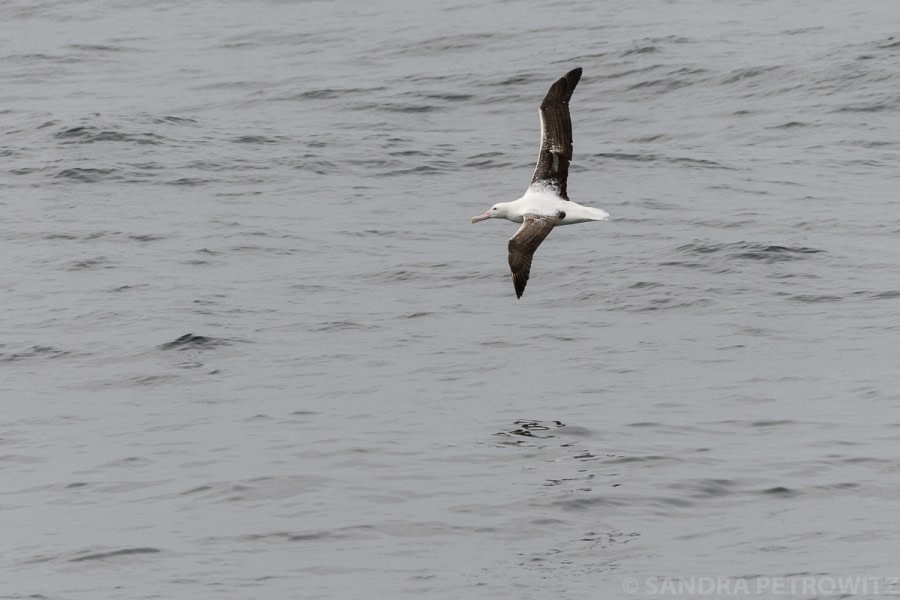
(552, 168)
(522, 246)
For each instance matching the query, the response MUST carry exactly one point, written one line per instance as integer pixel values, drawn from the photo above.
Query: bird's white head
(497, 211)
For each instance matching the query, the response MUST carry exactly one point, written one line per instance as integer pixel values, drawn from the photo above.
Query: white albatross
(546, 203)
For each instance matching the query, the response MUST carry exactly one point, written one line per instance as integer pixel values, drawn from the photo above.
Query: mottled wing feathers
(522, 246)
(552, 168)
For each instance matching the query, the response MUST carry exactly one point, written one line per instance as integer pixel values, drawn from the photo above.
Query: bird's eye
(495, 208)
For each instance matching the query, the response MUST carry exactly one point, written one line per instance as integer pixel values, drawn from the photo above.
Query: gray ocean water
(253, 347)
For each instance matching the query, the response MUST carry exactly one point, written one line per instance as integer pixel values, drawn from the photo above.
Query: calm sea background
(252, 347)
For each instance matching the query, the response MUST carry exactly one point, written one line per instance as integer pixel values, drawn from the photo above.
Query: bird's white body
(545, 203)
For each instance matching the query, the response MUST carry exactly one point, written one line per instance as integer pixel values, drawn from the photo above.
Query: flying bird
(546, 203)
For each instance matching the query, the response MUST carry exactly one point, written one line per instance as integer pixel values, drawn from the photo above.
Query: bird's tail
(597, 214)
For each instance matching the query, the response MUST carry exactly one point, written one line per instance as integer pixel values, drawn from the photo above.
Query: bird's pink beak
(486, 215)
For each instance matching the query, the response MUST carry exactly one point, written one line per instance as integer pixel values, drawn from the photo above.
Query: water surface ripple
(254, 348)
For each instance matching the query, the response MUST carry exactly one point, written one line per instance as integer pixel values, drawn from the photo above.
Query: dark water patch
(662, 84)
(373, 164)
(870, 144)
(319, 166)
(257, 139)
(856, 460)
(668, 302)
(802, 30)
(90, 135)
(308, 537)
(189, 341)
(191, 364)
(208, 165)
(627, 156)
(890, 103)
(815, 298)
(683, 161)
(115, 553)
(839, 486)
(640, 285)
(750, 251)
(442, 167)
(85, 175)
(723, 224)
(102, 48)
(487, 164)
(331, 326)
(659, 137)
(641, 50)
(407, 108)
(406, 153)
(308, 287)
(707, 488)
(515, 80)
(690, 265)
(95, 235)
(588, 503)
(701, 163)
(669, 39)
(780, 492)
(669, 501)
(773, 423)
(627, 72)
(454, 43)
(38, 352)
(567, 480)
(141, 168)
(149, 380)
(197, 490)
(189, 181)
(89, 264)
(23, 170)
(791, 125)
(448, 96)
(396, 275)
(353, 531)
(170, 120)
(333, 93)
(146, 237)
(532, 429)
(264, 250)
(505, 343)
(486, 160)
(748, 73)
(889, 295)
(640, 459)
(40, 57)
(793, 276)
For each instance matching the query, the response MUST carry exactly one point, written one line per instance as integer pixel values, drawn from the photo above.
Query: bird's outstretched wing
(552, 168)
(522, 246)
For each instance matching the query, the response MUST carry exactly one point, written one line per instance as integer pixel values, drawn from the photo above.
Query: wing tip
(573, 77)
(520, 287)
